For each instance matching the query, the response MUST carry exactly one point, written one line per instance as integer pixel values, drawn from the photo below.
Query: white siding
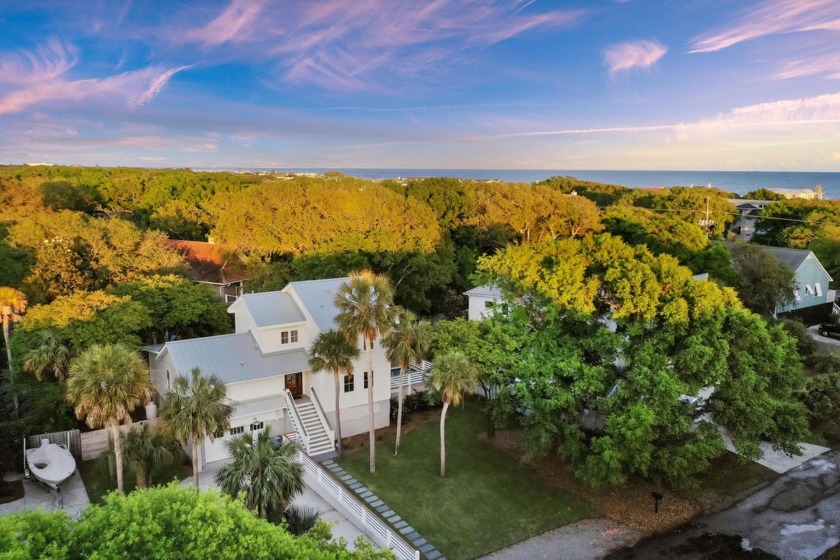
(478, 309)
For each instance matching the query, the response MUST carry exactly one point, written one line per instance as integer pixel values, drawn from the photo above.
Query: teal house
(812, 300)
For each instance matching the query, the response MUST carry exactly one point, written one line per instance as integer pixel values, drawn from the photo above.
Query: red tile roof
(210, 263)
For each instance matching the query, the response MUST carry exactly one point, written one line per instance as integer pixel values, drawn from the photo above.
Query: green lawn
(487, 500)
(98, 482)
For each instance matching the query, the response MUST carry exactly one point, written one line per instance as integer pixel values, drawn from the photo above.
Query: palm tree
(332, 352)
(143, 450)
(195, 408)
(12, 304)
(452, 375)
(49, 356)
(409, 341)
(106, 383)
(269, 474)
(366, 308)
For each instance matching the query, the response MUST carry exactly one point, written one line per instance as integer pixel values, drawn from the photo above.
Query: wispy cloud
(773, 17)
(636, 54)
(40, 76)
(343, 45)
(822, 109)
(230, 25)
(826, 64)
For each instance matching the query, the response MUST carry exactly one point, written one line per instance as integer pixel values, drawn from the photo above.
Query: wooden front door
(294, 383)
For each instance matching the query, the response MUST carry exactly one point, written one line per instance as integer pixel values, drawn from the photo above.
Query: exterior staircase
(320, 441)
(311, 427)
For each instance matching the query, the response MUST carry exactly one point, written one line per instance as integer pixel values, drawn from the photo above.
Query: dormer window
(288, 337)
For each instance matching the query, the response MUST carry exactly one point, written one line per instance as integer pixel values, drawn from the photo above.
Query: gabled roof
(318, 297)
(488, 290)
(233, 358)
(210, 263)
(792, 258)
(271, 308)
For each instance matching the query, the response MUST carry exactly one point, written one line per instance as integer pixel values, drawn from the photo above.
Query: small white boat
(50, 464)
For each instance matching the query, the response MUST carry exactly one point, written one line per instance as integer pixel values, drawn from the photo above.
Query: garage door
(215, 450)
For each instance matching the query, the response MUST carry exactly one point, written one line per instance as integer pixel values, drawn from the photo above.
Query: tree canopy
(621, 344)
(165, 522)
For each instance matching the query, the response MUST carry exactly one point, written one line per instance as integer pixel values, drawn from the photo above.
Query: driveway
(341, 526)
(796, 517)
(815, 334)
(35, 496)
(589, 539)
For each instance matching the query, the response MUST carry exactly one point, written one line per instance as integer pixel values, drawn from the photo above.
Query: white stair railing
(319, 410)
(297, 421)
(331, 491)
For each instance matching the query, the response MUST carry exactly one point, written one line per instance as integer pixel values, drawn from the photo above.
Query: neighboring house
(805, 194)
(482, 301)
(748, 212)
(264, 365)
(811, 299)
(216, 266)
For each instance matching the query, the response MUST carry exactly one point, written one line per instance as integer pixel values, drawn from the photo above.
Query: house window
(257, 426)
(365, 343)
(219, 434)
(818, 289)
(366, 380)
(395, 371)
(236, 430)
(168, 385)
(489, 304)
(288, 336)
(809, 290)
(349, 383)
(796, 295)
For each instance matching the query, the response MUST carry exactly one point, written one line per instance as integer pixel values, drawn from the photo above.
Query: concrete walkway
(341, 526)
(590, 539)
(797, 517)
(37, 497)
(391, 517)
(779, 461)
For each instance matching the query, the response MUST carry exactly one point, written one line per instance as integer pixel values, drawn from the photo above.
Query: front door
(294, 383)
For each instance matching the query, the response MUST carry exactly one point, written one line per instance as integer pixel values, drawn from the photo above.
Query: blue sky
(523, 84)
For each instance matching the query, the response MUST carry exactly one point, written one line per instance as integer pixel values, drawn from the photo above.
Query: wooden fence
(84, 446)
(95, 442)
(71, 438)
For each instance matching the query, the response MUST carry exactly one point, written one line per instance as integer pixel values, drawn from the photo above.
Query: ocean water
(740, 182)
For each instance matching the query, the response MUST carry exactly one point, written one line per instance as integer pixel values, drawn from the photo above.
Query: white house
(264, 366)
(482, 301)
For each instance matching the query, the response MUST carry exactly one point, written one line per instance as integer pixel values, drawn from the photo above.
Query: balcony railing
(410, 378)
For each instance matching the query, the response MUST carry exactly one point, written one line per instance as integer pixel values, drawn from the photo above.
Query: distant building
(216, 266)
(805, 194)
(482, 301)
(748, 212)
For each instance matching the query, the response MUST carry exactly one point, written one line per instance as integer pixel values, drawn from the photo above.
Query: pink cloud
(773, 17)
(229, 25)
(638, 54)
(346, 45)
(40, 77)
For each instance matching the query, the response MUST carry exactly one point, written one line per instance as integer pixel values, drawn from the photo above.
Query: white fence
(365, 519)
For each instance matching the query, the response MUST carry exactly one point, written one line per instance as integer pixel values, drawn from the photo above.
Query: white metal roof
(487, 290)
(318, 297)
(272, 308)
(232, 357)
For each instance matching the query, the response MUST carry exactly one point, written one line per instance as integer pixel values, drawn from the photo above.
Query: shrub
(415, 402)
(300, 519)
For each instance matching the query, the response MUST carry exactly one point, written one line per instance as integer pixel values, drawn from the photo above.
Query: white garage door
(215, 450)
